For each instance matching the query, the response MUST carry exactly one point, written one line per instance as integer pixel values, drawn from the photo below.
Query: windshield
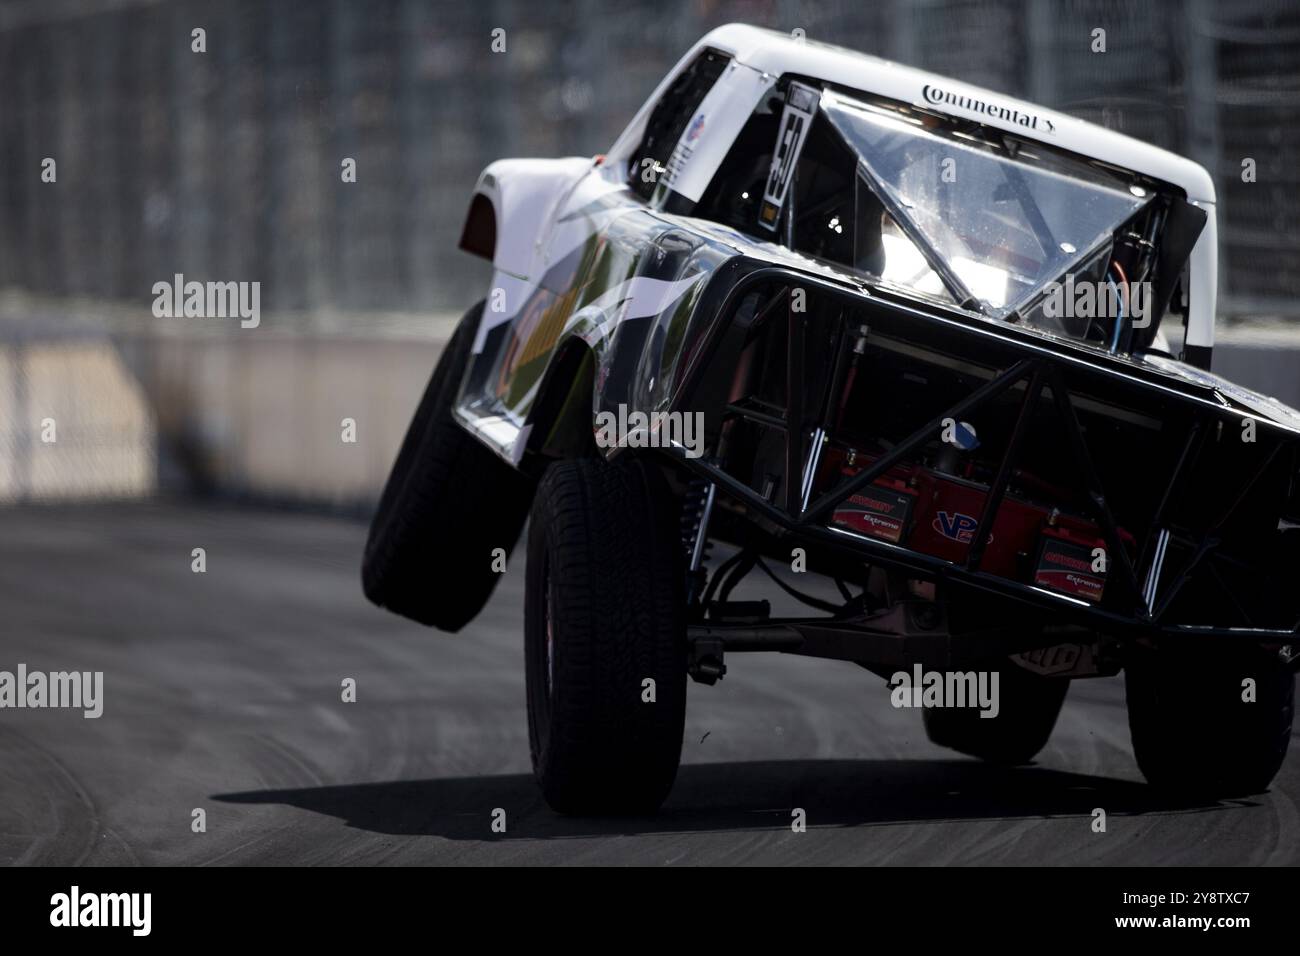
(1000, 227)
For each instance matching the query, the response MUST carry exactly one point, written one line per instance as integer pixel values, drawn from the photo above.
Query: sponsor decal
(1061, 659)
(693, 131)
(879, 512)
(955, 525)
(708, 138)
(937, 96)
(1066, 566)
(682, 152)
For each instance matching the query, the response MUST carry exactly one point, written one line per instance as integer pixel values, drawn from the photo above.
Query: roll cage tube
(803, 107)
(956, 288)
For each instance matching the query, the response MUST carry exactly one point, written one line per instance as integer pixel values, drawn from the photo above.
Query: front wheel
(448, 503)
(605, 637)
(1210, 720)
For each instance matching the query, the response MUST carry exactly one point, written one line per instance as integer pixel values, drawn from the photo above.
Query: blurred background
(225, 165)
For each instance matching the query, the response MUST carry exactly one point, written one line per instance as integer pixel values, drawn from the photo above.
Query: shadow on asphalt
(739, 796)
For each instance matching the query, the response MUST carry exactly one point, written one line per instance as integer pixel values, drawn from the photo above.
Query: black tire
(447, 504)
(605, 572)
(1192, 732)
(1028, 706)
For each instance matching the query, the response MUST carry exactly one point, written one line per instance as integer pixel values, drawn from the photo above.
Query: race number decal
(800, 108)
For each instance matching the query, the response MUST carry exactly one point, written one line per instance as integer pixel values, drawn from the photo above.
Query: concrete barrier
(262, 412)
(74, 423)
(263, 416)
(311, 418)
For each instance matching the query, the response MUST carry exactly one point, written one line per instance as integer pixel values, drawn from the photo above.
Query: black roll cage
(1041, 364)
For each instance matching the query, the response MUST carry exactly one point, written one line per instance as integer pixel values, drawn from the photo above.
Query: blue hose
(1119, 319)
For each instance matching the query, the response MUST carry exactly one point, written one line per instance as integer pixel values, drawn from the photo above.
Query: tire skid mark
(72, 829)
(285, 769)
(1288, 829)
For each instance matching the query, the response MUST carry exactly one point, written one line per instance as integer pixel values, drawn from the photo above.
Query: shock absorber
(697, 506)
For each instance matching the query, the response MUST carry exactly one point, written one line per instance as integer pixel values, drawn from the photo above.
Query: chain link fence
(226, 164)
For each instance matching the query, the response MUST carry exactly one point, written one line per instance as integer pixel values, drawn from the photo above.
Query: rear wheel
(1194, 726)
(1028, 706)
(605, 637)
(448, 503)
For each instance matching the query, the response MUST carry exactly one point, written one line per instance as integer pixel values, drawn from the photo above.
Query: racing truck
(943, 354)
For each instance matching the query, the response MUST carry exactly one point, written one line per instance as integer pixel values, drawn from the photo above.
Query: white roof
(777, 53)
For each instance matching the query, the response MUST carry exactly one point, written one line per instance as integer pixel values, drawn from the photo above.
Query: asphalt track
(222, 692)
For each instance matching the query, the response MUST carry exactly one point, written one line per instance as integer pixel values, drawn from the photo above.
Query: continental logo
(936, 96)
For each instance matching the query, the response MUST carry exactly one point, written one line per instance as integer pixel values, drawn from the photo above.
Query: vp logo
(955, 525)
